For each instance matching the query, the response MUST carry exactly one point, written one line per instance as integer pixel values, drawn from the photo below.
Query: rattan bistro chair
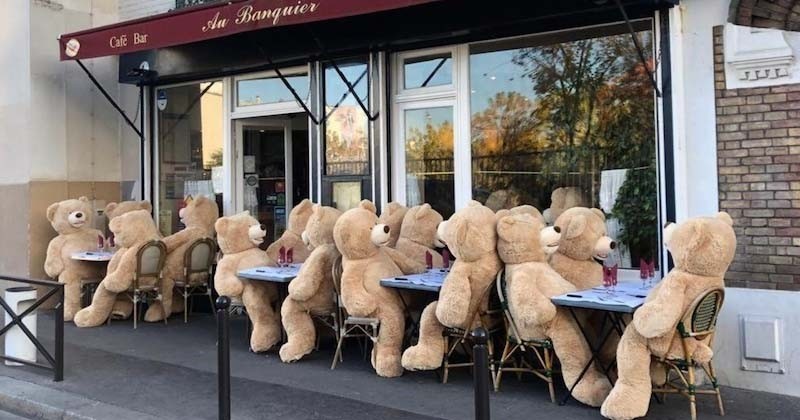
(698, 323)
(350, 326)
(146, 285)
(461, 338)
(198, 261)
(516, 348)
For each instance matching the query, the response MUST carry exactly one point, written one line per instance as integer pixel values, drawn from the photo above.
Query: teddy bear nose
(78, 215)
(386, 229)
(612, 245)
(557, 229)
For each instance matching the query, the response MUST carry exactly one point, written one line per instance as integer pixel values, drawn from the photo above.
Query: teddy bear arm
(455, 297)
(533, 307)
(306, 284)
(404, 263)
(178, 238)
(119, 279)
(358, 301)
(53, 265)
(659, 315)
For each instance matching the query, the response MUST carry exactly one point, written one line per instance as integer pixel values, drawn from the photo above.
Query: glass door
(265, 178)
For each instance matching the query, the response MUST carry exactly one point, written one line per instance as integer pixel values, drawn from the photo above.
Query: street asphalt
(169, 372)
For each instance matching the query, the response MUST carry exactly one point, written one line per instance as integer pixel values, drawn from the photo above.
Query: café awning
(212, 21)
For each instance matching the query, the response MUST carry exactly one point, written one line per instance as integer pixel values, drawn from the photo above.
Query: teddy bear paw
(422, 357)
(592, 391)
(620, 406)
(264, 337)
(292, 351)
(155, 313)
(86, 318)
(388, 365)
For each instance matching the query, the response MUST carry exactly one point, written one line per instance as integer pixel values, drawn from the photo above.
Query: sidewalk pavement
(168, 372)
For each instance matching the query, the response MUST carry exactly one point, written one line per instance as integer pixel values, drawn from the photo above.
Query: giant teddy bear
(472, 238)
(418, 234)
(312, 292)
(118, 209)
(583, 240)
(292, 237)
(132, 230)
(392, 216)
(239, 237)
(702, 249)
(523, 243)
(562, 199)
(199, 217)
(365, 261)
(72, 219)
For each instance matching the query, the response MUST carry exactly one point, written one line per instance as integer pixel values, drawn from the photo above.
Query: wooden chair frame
(455, 338)
(138, 292)
(187, 288)
(350, 326)
(517, 346)
(698, 322)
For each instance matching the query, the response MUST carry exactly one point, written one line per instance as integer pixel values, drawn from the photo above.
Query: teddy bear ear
(697, 235)
(423, 210)
(146, 205)
(305, 205)
(575, 227)
(504, 226)
(110, 207)
(368, 205)
(474, 203)
(725, 217)
(599, 214)
(221, 224)
(51, 212)
(83, 198)
(315, 207)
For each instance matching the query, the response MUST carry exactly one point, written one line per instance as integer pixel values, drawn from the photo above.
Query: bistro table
(281, 275)
(614, 303)
(96, 256)
(430, 282)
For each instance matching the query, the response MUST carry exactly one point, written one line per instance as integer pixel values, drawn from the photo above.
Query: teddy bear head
(70, 216)
(298, 217)
(470, 232)
(357, 233)
(117, 209)
(239, 233)
(583, 234)
(502, 199)
(562, 199)
(393, 215)
(524, 238)
(200, 212)
(523, 209)
(702, 245)
(133, 227)
(319, 230)
(419, 225)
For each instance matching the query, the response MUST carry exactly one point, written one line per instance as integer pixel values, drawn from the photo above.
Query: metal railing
(180, 4)
(54, 362)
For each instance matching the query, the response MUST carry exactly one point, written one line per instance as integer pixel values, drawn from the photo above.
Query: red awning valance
(213, 21)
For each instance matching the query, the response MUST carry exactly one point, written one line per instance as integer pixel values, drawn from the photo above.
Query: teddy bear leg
(156, 311)
(266, 325)
(386, 354)
(300, 331)
(630, 397)
(123, 308)
(427, 354)
(96, 313)
(72, 294)
(574, 353)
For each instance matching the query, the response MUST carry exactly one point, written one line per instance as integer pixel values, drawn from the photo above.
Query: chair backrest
(150, 260)
(336, 271)
(199, 257)
(701, 317)
(511, 326)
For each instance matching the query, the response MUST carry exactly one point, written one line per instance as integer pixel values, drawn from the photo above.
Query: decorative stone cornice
(757, 57)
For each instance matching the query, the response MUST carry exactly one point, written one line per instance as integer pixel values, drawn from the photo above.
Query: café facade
(262, 103)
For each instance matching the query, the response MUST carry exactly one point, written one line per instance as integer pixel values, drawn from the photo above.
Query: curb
(40, 402)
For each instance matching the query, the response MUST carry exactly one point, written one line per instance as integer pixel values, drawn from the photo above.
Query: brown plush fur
(312, 291)
(530, 283)
(239, 237)
(131, 230)
(583, 238)
(72, 219)
(562, 199)
(199, 217)
(418, 234)
(702, 249)
(118, 209)
(393, 215)
(471, 236)
(366, 260)
(292, 237)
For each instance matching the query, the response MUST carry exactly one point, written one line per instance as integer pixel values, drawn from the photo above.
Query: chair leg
(211, 299)
(548, 371)
(716, 388)
(135, 309)
(186, 308)
(492, 364)
(446, 361)
(692, 394)
(338, 354)
(503, 359)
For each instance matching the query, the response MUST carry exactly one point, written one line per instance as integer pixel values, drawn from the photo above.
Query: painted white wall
(133, 9)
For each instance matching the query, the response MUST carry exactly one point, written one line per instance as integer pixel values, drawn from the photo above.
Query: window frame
(268, 109)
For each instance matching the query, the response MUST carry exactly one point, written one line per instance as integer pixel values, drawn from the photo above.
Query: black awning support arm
(111, 100)
(639, 50)
(188, 109)
(344, 97)
(350, 87)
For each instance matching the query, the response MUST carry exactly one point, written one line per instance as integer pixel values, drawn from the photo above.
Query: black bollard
(480, 355)
(223, 358)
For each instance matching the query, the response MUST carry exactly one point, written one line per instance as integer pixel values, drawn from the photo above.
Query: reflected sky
(495, 72)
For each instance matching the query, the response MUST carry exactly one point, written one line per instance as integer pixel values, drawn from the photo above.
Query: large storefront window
(429, 157)
(574, 112)
(346, 126)
(271, 90)
(190, 142)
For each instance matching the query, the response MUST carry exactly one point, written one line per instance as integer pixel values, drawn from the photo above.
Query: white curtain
(610, 182)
